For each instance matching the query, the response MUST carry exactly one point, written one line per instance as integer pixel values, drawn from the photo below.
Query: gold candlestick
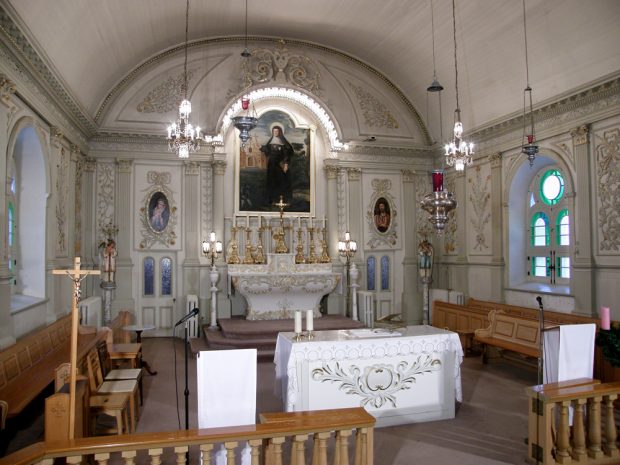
(259, 258)
(248, 260)
(278, 234)
(325, 258)
(234, 259)
(299, 258)
(312, 258)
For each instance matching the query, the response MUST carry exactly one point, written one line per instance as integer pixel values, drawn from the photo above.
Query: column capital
(90, 163)
(219, 167)
(332, 171)
(354, 174)
(192, 168)
(580, 134)
(56, 135)
(496, 160)
(408, 175)
(124, 166)
(7, 89)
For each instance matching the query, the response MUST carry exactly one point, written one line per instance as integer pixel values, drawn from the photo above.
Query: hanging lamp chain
(433, 35)
(456, 67)
(186, 40)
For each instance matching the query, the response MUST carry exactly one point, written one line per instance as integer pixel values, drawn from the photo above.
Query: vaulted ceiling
(91, 45)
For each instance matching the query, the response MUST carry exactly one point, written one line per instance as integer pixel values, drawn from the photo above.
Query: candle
(605, 318)
(309, 320)
(235, 221)
(247, 221)
(299, 222)
(324, 222)
(297, 322)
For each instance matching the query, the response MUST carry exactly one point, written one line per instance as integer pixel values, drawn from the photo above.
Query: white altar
(406, 376)
(279, 288)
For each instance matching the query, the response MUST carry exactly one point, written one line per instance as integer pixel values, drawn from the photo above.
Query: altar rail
(590, 440)
(281, 431)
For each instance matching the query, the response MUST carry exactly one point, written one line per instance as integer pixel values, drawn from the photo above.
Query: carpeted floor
(489, 428)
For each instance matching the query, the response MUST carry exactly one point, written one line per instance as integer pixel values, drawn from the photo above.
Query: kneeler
(227, 392)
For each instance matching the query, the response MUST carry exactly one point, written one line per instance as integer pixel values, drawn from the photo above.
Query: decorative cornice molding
(43, 74)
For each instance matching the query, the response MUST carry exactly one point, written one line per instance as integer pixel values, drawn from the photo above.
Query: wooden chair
(130, 352)
(110, 374)
(4, 409)
(125, 386)
(113, 405)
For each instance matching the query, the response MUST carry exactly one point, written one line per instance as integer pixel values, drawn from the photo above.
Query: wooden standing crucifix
(76, 276)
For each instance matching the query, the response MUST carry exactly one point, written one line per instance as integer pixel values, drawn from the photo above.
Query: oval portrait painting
(382, 215)
(158, 211)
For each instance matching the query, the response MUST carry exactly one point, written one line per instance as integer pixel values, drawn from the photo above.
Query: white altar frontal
(280, 287)
(409, 375)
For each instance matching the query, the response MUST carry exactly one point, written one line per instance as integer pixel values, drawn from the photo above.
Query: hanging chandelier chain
(456, 68)
(246, 24)
(186, 40)
(433, 35)
(527, 67)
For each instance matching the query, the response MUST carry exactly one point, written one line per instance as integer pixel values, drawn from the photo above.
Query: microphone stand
(186, 392)
(541, 322)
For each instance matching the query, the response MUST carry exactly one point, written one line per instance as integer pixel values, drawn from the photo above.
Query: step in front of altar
(239, 333)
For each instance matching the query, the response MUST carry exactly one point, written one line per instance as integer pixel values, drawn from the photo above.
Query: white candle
(297, 322)
(605, 315)
(299, 222)
(324, 221)
(247, 221)
(309, 320)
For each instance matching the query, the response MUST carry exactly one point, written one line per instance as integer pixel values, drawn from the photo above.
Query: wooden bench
(511, 333)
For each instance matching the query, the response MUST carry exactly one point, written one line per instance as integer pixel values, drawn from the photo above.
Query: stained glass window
(385, 273)
(370, 273)
(552, 187)
(563, 228)
(149, 276)
(166, 276)
(540, 230)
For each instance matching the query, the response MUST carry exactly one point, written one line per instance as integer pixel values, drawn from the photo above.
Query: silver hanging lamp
(528, 144)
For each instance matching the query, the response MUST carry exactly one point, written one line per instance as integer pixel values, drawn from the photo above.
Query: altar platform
(239, 333)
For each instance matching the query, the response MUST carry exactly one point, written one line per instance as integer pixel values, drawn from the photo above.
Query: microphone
(539, 300)
(191, 314)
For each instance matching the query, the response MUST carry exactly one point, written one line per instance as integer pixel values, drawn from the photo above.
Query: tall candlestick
(604, 313)
(297, 321)
(299, 222)
(324, 221)
(309, 320)
(247, 221)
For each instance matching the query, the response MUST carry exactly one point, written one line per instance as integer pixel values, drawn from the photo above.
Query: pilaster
(122, 219)
(411, 301)
(582, 282)
(191, 273)
(497, 225)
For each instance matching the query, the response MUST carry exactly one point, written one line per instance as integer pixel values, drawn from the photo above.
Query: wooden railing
(590, 439)
(326, 431)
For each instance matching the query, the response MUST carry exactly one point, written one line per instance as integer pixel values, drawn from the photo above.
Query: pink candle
(605, 318)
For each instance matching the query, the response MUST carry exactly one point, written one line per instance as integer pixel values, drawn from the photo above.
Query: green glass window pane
(540, 230)
(563, 267)
(540, 267)
(563, 228)
(552, 187)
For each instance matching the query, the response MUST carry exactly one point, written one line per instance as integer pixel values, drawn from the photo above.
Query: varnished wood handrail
(296, 423)
(578, 392)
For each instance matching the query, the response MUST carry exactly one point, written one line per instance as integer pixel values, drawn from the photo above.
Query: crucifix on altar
(278, 234)
(77, 276)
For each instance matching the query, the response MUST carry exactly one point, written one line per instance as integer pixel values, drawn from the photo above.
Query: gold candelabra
(312, 258)
(248, 260)
(324, 258)
(234, 259)
(259, 258)
(299, 258)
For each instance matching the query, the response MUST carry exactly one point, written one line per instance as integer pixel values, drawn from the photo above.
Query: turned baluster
(230, 451)
(319, 451)
(46, 462)
(361, 437)
(275, 446)
(563, 441)
(594, 428)
(255, 450)
(205, 453)
(611, 448)
(102, 459)
(129, 457)
(342, 447)
(298, 449)
(155, 455)
(579, 434)
(181, 451)
(74, 460)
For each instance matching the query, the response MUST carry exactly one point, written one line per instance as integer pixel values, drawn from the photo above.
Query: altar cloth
(399, 378)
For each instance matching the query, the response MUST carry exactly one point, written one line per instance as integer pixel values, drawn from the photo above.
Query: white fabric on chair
(227, 392)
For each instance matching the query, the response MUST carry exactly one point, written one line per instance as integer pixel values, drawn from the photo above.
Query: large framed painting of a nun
(276, 162)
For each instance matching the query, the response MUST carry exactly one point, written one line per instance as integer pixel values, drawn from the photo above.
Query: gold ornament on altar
(233, 257)
(278, 234)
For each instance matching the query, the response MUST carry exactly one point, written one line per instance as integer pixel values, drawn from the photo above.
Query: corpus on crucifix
(278, 234)
(77, 276)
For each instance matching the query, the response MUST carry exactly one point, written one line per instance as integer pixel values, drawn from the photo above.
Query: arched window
(549, 228)
(370, 273)
(149, 276)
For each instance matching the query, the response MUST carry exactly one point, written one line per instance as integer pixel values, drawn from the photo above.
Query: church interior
(282, 176)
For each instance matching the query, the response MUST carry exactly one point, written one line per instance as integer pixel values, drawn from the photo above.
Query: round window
(552, 187)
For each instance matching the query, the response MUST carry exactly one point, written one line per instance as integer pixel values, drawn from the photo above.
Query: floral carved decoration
(376, 114)
(479, 198)
(164, 97)
(377, 385)
(608, 174)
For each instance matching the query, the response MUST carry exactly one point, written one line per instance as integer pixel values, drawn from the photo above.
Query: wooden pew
(507, 332)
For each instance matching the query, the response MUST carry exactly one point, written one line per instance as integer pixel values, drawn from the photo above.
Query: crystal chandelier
(183, 138)
(458, 152)
(246, 122)
(438, 203)
(529, 148)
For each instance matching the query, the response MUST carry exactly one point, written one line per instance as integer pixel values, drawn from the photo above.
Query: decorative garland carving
(377, 384)
(449, 242)
(164, 97)
(281, 66)
(62, 187)
(479, 198)
(158, 189)
(342, 202)
(105, 196)
(206, 198)
(381, 189)
(608, 174)
(376, 114)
